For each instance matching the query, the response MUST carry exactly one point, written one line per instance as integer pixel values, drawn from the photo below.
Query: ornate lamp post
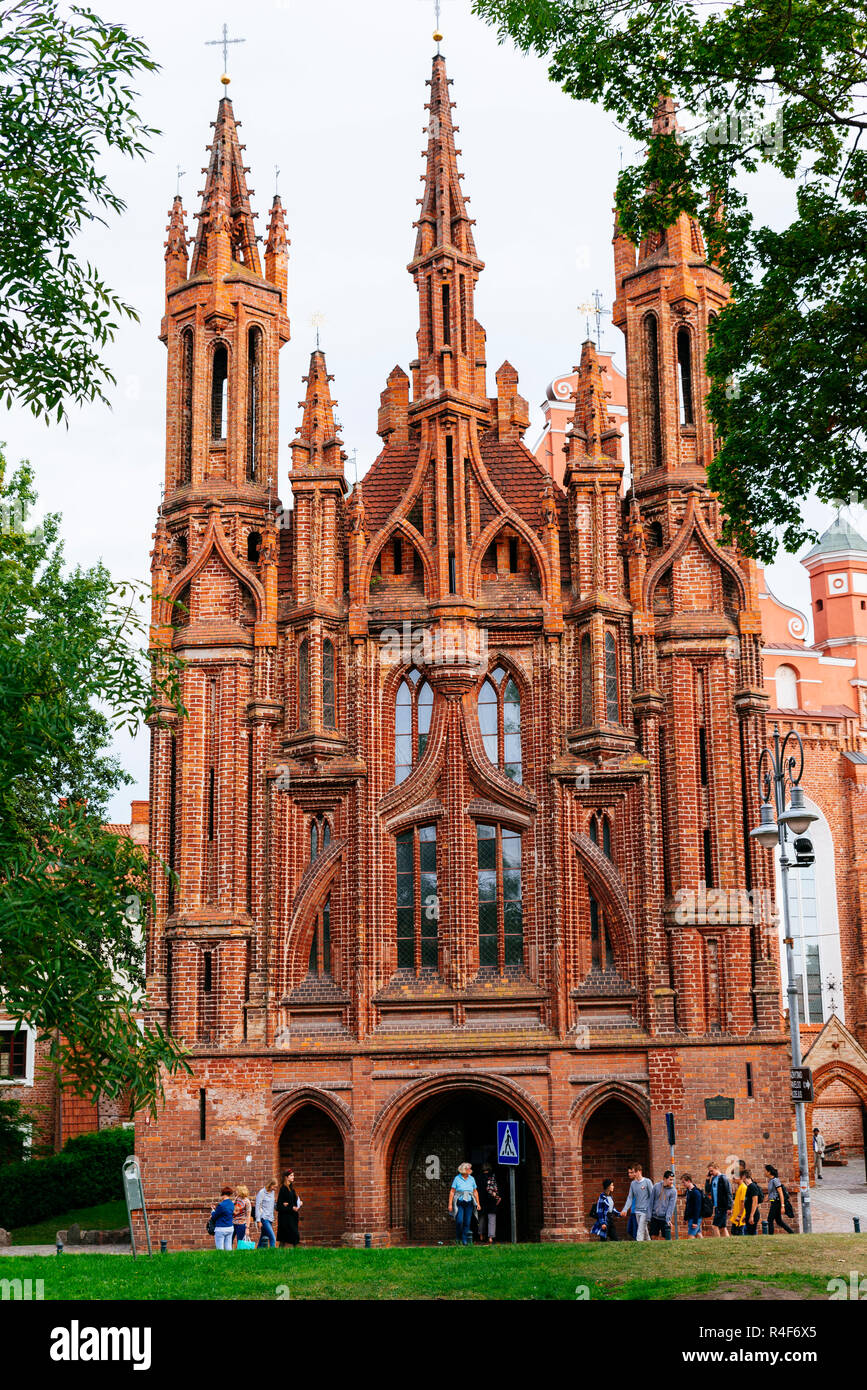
(782, 764)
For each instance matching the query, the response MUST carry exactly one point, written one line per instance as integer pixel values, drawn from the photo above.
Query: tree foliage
(65, 99)
(73, 895)
(767, 89)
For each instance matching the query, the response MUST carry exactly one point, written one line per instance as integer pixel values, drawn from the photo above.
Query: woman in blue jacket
(223, 1217)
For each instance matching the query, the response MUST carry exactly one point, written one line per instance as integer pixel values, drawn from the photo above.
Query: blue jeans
(463, 1217)
(268, 1230)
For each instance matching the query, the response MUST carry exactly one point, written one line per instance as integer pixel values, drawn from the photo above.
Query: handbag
(212, 1224)
(245, 1245)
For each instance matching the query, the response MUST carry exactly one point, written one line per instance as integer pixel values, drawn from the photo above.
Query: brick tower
(468, 758)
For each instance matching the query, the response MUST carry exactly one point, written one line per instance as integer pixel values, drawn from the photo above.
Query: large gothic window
(254, 401)
(304, 685)
(651, 386)
(329, 705)
(684, 375)
(412, 716)
(501, 913)
(186, 471)
(499, 707)
(219, 392)
(320, 945)
(601, 955)
(612, 696)
(417, 899)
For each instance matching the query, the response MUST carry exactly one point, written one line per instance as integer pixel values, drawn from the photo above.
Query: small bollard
(857, 1221)
(60, 1247)
(367, 1240)
(764, 1228)
(164, 1245)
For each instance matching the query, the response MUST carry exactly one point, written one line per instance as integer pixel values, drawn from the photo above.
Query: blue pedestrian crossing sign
(508, 1143)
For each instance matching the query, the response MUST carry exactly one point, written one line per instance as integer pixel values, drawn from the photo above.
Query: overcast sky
(333, 94)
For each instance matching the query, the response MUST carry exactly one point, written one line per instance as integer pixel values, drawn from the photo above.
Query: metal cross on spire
(437, 30)
(224, 44)
(316, 322)
(181, 173)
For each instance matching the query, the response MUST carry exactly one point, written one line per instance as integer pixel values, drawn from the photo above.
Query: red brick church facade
(461, 745)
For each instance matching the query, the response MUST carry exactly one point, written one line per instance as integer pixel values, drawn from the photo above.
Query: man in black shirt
(752, 1204)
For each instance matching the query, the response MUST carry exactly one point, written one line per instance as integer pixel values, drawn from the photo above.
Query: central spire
(445, 266)
(226, 233)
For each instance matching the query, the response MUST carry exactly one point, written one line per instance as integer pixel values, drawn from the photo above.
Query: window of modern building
(418, 910)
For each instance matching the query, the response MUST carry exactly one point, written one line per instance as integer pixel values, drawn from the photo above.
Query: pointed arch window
(586, 681)
(499, 709)
(418, 909)
(254, 402)
(600, 822)
(219, 392)
(612, 692)
(320, 944)
(329, 702)
(684, 375)
(304, 685)
(501, 910)
(186, 472)
(601, 954)
(412, 716)
(651, 379)
(320, 836)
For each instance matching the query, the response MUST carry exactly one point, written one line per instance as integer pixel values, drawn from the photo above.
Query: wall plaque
(719, 1108)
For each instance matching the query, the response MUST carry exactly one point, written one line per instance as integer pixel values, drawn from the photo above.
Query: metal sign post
(669, 1125)
(134, 1194)
(509, 1155)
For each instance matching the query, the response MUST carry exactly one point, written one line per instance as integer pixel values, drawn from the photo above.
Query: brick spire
(590, 431)
(277, 248)
(445, 268)
(176, 246)
(226, 232)
(317, 444)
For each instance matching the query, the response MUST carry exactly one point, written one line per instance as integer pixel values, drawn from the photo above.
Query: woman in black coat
(288, 1203)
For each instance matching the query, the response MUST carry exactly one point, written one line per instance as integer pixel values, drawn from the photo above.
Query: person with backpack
(604, 1224)
(778, 1199)
(221, 1223)
(721, 1196)
(753, 1198)
(693, 1209)
(639, 1200)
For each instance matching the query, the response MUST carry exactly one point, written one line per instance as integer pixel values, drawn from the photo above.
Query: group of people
(733, 1208)
(474, 1210)
(235, 1220)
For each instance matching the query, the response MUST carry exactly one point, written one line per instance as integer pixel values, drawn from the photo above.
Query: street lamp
(777, 767)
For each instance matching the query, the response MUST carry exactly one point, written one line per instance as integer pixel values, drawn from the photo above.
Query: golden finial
(437, 34)
(225, 80)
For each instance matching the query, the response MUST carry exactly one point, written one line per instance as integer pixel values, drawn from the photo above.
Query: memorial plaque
(719, 1108)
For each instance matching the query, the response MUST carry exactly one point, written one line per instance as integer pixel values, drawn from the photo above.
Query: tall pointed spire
(443, 220)
(317, 444)
(176, 246)
(445, 267)
(277, 248)
(226, 233)
(591, 438)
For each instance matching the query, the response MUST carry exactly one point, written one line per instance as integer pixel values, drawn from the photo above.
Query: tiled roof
(114, 829)
(386, 481)
(518, 476)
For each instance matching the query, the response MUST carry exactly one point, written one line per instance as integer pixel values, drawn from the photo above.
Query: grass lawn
(801, 1265)
(109, 1216)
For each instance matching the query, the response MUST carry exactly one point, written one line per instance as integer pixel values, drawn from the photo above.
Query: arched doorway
(440, 1133)
(311, 1143)
(614, 1138)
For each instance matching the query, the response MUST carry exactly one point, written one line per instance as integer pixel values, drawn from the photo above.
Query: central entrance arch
(311, 1143)
(441, 1131)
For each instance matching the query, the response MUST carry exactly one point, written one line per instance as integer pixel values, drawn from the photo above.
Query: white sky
(333, 93)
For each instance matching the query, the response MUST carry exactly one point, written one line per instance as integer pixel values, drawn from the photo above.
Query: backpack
(706, 1204)
(212, 1224)
(787, 1201)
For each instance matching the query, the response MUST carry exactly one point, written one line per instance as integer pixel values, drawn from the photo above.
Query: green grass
(801, 1264)
(108, 1216)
